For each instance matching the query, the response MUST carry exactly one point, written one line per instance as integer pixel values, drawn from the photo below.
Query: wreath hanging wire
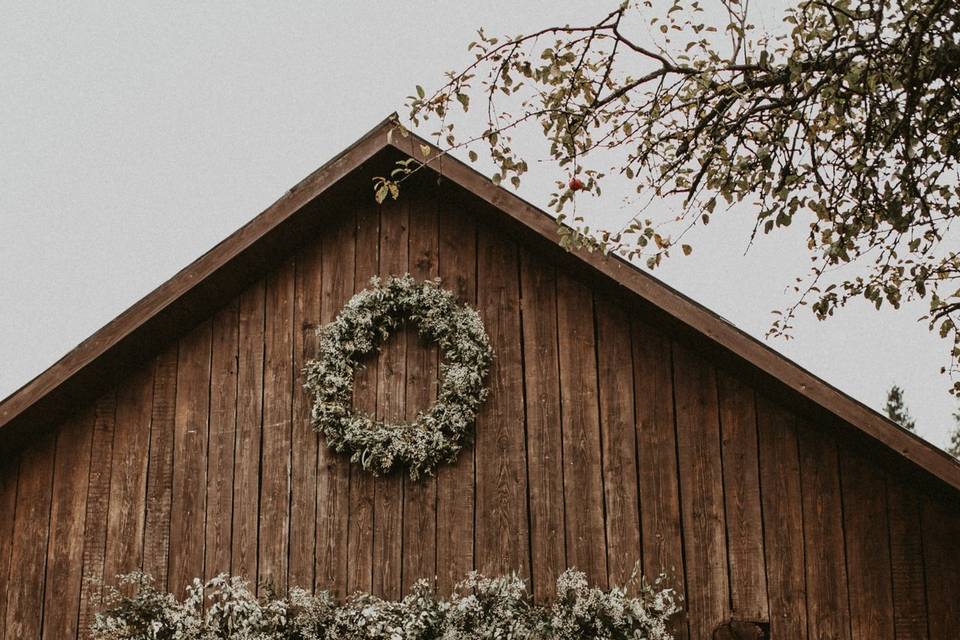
(437, 434)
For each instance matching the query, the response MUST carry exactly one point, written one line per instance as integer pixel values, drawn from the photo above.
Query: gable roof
(164, 312)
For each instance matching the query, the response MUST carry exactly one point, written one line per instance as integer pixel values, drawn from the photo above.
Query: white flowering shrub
(480, 608)
(582, 611)
(438, 434)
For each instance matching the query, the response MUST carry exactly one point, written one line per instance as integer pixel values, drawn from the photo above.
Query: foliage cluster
(896, 409)
(436, 435)
(847, 121)
(480, 608)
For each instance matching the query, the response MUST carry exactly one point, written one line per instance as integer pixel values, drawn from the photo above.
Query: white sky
(135, 136)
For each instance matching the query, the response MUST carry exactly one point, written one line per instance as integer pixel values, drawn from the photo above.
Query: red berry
(575, 184)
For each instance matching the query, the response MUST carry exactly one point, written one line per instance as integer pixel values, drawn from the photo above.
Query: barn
(624, 424)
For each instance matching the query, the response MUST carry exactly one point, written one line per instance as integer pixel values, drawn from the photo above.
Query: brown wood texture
(659, 479)
(867, 548)
(274, 523)
(907, 560)
(456, 487)
(941, 530)
(391, 407)
(9, 476)
(701, 491)
(828, 612)
(98, 504)
(615, 384)
(222, 441)
(419, 514)
(580, 418)
(608, 438)
(360, 565)
(128, 477)
(67, 520)
(246, 469)
(188, 501)
(781, 496)
(156, 529)
(502, 541)
(741, 486)
(333, 470)
(541, 374)
(31, 529)
(304, 453)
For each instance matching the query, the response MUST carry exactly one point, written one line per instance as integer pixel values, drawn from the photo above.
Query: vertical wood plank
(391, 406)
(941, 553)
(246, 465)
(128, 477)
(615, 382)
(701, 491)
(659, 487)
(333, 470)
(906, 561)
(502, 540)
(30, 535)
(657, 461)
(868, 548)
(188, 504)
(156, 528)
(738, 424)
(538, 285)
(582, 471)
(303, 471)
(274, 522)
(9, 474)
(98, 504)
(828, 606)
(456, 493)
(420, 498)
(67, 520)
(780, 494)
(222, 445)
(360, 564)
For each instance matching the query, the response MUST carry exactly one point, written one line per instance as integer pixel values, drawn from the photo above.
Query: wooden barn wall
(605, 442)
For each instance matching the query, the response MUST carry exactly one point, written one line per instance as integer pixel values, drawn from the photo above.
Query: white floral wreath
(437, 435)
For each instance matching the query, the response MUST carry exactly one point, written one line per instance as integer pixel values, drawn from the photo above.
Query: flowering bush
(480, 608)
(366, 321)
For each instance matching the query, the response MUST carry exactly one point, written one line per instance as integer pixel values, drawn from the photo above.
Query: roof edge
(660, 295)
(114, 332)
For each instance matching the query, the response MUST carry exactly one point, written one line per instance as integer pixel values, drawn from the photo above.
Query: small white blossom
(480, 608)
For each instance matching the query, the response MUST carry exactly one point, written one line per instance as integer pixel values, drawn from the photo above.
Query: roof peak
(161, 313)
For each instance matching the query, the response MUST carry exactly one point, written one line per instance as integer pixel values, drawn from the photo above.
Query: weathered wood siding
(608, 439)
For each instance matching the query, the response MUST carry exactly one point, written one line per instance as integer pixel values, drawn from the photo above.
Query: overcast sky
(135, 136)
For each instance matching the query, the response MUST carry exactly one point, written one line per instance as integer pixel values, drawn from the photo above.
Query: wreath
(438, 434)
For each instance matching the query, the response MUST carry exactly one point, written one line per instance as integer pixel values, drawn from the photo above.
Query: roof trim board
(15, 410)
